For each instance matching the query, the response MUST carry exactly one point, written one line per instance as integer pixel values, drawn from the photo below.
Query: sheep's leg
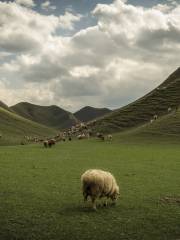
(85, 196)
(94, 203)
(113, 202)
(105, 203)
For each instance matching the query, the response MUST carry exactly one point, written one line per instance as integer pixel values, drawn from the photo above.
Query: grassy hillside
(13, 128)
(167, 126)
(141, 111)
(41, 194)
(51, 116)
(3, 105)
(88, 113)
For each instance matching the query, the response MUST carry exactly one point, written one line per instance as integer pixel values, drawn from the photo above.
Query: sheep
(51, 142)
(81, 136)
(97, 184)
(169, 109)
(100, 136)
(45, 143)
(155, 117)
(109, 136)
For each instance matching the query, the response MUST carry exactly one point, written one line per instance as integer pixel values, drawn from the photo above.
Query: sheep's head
(115, 194)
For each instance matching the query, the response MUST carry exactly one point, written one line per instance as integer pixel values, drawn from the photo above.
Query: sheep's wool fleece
(104, 181)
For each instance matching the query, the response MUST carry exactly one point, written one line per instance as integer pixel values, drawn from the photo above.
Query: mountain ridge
(89, 113)
(51, 116)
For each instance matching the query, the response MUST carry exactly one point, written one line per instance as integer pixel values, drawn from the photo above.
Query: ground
(41, 198)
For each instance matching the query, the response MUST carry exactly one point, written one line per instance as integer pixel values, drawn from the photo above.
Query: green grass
(40, 191)
(13, 128)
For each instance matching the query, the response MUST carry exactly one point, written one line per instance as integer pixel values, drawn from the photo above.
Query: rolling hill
(157, 102)
(13, 128)
(51, 116)
(88, 113)
(3, 105)
(167, 125)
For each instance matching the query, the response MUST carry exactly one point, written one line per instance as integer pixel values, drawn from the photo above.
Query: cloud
(47, 6)
(24, 30)
(129, 52)
(26, 3)
(68, 19)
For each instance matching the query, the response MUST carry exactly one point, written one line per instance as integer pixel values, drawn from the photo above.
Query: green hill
(3, 105)
(157, 102)
(88, 113)
(13, 128)
(168, 125)
(51, 116)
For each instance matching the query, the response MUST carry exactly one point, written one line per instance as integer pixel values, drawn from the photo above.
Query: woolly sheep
(51, 142)
(155, 116)
(97, 184)
(109, 136)
(100, 136)
(45, 143)
(169, 109)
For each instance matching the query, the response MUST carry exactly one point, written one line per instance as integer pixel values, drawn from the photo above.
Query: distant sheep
(155, 117)
(81, 136)
(45, 143)
(100, 136)
(49, 143)
(97, 184)
(169, 109)
(109, 137)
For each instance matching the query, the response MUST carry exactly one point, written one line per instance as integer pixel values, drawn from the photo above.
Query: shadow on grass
(85, 208)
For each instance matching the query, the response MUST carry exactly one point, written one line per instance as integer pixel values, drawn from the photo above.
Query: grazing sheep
(169, 109)
(97, 184)
(109, 136)
(100, 136)
(45, 143)
(51, 142)
(155, 117)
(81, 136)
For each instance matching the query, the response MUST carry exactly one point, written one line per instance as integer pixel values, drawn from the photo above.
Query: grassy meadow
(40, 191)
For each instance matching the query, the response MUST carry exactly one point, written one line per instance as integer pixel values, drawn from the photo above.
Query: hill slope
(13, 128)
(3, 105)
(168, 125)
(141, 111)
(51, 116)
(89, 113)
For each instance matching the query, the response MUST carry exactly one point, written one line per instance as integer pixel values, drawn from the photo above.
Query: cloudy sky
(86, 52)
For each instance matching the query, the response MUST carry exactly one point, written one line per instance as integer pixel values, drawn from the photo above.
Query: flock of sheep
(80, 131)
(169, 110)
